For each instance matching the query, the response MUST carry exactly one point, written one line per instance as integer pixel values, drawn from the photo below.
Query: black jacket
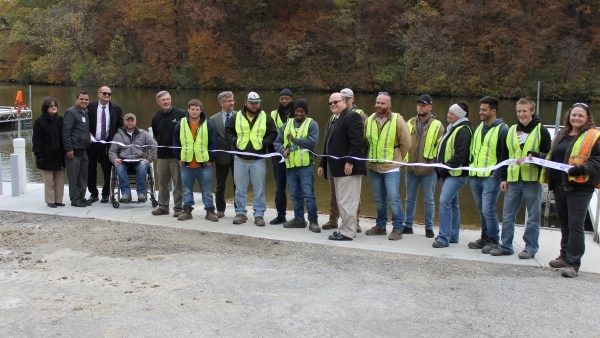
(162, 128)
(47, 134)
(462, 150)
(116, 118)
(344, 137)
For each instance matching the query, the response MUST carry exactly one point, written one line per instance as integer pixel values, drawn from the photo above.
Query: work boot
(314, 225)
(142, 198)
(375, 231)
(295, 223)
(177, 212)
(491, 245)
(159, 212)
(185, 214)
(331, 224)
(259, 221)
(210, 215)
(395, 235)
(558, 263)
(239, 219)
(480, 243)
(220, 214)
(125, 198)
(278, 220)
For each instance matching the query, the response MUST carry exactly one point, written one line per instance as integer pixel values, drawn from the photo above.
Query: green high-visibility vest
(529, 172)
(297, 158)
(193, 147)
(484, 153)
(381, 146)
(254, 135)
(431, 140)
(450, 150)
(277, 119)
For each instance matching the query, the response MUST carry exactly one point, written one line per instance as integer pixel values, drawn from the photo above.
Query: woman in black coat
(48, 149)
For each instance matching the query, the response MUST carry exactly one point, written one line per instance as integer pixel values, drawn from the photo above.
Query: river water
(142, 103)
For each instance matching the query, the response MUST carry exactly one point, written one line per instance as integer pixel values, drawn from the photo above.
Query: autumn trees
(447, 47)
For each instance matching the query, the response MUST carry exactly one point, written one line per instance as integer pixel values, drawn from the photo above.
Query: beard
(254, 111)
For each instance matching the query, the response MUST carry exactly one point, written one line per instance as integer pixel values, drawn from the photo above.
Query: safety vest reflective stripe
(529, 172)
(381, 146)
(193, 147)
(254, 135)
(484, 153)
(582, 149)
(277, 119)
(431, 140)
(450, 150)
(297, 157)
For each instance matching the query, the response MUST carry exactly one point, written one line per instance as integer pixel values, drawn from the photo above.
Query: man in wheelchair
(137, 151)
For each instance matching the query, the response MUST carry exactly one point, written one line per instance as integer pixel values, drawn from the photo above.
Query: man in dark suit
(105, 118)
(223, 160)
(344, 138)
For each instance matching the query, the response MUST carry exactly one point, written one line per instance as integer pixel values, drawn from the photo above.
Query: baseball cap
(347, 92)
(425, 99)
(253, 97)
(129, 116)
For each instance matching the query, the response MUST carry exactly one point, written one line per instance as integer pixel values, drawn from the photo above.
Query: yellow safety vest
(193, 147)
(484, 153)
(449, 153)
(297, 158)
(431, 140)
(381, 146)
(529, 172)
(254, 135)
(277, 119)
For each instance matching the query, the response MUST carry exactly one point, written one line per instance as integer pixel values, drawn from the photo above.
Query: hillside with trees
(443, 47)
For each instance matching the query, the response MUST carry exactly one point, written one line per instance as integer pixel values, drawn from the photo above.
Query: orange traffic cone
(19, 97)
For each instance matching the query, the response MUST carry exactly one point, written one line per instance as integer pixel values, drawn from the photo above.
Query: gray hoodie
(134, 146)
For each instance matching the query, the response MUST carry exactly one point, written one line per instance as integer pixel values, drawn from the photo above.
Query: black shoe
(429, 233)
(278, 220)
(339, 237)
(295, 223)
(52, 205)
(87, 202)
(407, 231)
(78, 203)
(60, 204)
(104, 199)
(93, 199)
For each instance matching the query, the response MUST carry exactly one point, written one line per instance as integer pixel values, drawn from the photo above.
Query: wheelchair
(115, 195)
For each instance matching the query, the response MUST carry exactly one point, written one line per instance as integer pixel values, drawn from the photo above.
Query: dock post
(19, 146)
(1, 174)
(14, 173)
(557, 121)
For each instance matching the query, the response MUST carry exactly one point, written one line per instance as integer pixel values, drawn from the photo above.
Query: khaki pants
(334, 212)
(347, 190)
(169, 172)
(54, 185)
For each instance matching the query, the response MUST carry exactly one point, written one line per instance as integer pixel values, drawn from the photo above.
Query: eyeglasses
(105, 93)
(232, 100)
(53, 106)
(333, 103)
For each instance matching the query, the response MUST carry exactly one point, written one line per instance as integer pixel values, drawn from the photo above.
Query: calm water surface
(142, 103)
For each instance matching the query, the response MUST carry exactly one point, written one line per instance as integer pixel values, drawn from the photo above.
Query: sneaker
(125, 198)
(491, 245)
(428, 233)
(185, 214)
(330, 225)
(558, 263)
(358, 228)
(239, 219)
(500, 251)
(142, 198)
(526, 254)
(569, 272)
(159, 212)
(395, 235)
(479, 243)
(220, 214)
(259, 221)
(177, 212)
(438, 245)
(314, 225)
(278, 220)
(375, 231)
(295, 223)
(407, 231)
(210, 215)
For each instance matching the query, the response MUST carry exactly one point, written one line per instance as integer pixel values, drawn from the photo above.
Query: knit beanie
(285, 92)
(302, 103)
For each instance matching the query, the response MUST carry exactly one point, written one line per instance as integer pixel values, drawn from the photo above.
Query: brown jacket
(416, 150)
(402, 145)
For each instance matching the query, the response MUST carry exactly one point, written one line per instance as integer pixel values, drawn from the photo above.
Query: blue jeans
(189, 176)
(485, 192)
(386, 191)
(141, 173)
(301, 182)
(412, 187)
(244, 173)
(279, 171)
(514, 195)
(449, 221)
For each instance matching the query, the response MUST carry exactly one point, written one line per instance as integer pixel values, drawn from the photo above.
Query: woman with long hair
(48, 149)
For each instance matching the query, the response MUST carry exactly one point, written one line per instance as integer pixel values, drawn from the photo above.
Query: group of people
(188, 146)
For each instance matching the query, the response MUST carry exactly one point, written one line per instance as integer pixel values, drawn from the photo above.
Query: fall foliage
(443, 47)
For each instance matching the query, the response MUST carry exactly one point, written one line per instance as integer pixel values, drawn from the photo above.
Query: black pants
(280, 174)
(571, 207)
(222, 171)
(98, 152)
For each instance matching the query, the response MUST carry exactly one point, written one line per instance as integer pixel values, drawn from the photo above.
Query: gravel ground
(74, 277)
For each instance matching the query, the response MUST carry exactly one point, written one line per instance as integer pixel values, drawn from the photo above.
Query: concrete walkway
(33, 202)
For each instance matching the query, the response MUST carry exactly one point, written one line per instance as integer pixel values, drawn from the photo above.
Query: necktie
(227, 116)
(103, 131)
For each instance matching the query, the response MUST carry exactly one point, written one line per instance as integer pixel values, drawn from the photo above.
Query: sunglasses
(333, 103)
(105, 93)
(53, 106)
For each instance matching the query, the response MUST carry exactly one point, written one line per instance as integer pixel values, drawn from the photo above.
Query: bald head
(383, 103)
(104, 94)
(336, 103)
